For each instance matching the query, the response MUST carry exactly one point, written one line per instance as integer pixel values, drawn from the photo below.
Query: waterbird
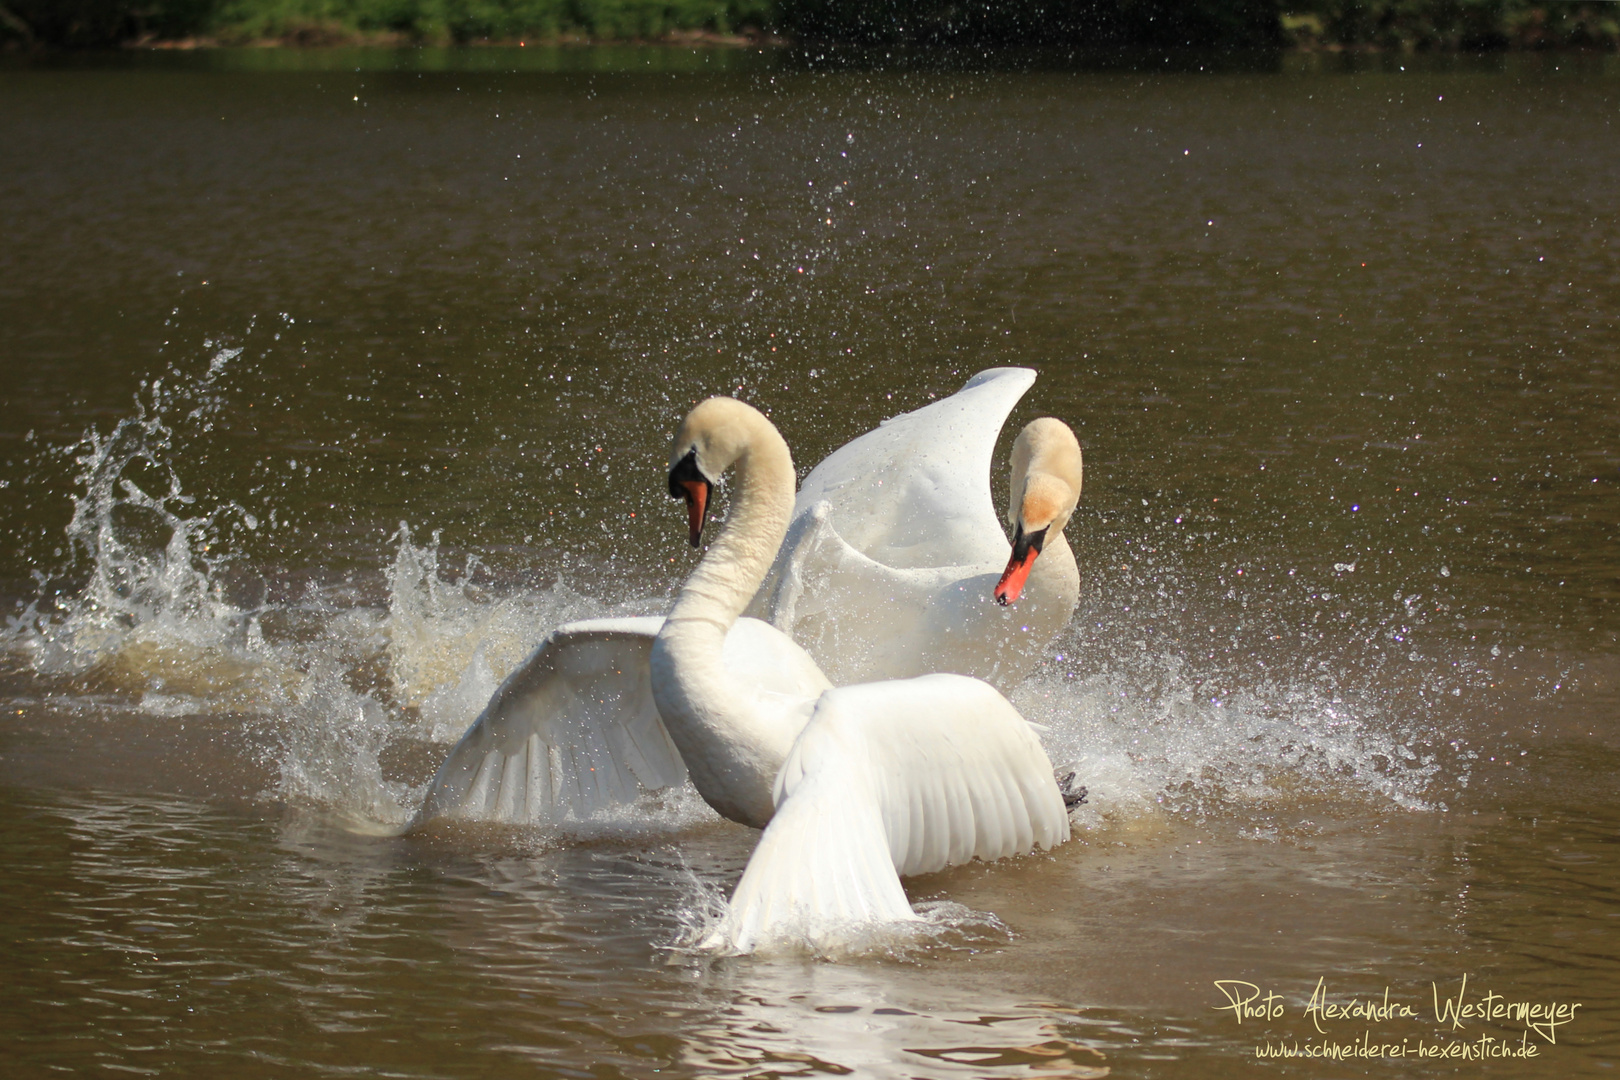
(889, 570)
(854, 786)
(895, 564)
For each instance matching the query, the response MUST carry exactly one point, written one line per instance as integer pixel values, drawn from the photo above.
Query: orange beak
(697, 505)
(1025, 548)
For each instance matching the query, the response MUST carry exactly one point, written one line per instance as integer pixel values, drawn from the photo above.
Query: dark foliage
(1452, 24)
(1163, 23)
(1084, 24)
(93, 24)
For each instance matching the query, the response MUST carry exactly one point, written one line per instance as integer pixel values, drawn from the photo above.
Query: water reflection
(797, 1020)
(197, 937)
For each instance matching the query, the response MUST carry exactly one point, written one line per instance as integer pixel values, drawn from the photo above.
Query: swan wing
(570, 732)
(915, 492)
(889, 779)
(865, 621)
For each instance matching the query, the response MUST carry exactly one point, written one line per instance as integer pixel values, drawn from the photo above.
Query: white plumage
(915, 492)
(887, 780)
(894, 549)
(574, 729)
(853, 786)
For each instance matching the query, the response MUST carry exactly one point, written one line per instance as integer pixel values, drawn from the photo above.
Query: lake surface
(334, 381)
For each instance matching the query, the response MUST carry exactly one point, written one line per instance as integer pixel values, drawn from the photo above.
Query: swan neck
(1015, 483)
(733, 567)
(1056, 563)
(732, 747)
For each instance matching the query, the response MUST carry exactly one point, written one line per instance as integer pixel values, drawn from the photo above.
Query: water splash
(450, 642)
(1155, 740)
(152, 560)
(1253, 729)
(150, 618)
(940, 926)
(328, 686)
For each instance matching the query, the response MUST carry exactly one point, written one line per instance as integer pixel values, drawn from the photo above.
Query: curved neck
(732, 748)
(731, 570)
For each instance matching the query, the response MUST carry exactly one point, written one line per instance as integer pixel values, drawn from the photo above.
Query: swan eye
(685, 471)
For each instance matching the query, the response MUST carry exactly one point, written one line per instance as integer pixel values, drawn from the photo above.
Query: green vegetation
(103, 23)
(1225, 24)
(1421, 25)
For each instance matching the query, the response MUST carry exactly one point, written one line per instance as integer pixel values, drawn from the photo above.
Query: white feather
(847, 822)
(573, 730)
(894, 549)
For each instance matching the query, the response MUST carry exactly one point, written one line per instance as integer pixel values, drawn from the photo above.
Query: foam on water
(939, 925)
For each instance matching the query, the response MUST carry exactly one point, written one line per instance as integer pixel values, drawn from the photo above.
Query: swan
(895, 563)
(575, 730)
(854, 786)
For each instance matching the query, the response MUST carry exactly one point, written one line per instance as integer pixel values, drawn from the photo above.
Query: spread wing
(915, 492)
(890, 779)
(572, 731)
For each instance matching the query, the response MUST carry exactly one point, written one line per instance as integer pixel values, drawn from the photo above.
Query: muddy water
(334, 381)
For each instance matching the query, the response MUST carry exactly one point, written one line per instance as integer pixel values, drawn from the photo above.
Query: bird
(895, 564)
(853, 786)
(574, 730)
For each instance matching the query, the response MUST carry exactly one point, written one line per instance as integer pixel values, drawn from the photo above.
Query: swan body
(894, 552)
(852, 786)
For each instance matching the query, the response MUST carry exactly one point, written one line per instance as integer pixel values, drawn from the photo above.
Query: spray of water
(142, 609)
(151, 559)
(941, 925)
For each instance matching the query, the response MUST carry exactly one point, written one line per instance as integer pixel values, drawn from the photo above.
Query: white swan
(853, 786)
(895, 564)
(574, 730)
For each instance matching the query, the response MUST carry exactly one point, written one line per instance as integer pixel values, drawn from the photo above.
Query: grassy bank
(1415, 25)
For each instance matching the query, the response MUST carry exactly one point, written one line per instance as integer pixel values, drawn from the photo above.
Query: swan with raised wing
(895, 564)
(575, 729)
(853, 786)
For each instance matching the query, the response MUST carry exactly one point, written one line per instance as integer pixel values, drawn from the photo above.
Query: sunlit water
(335, 381)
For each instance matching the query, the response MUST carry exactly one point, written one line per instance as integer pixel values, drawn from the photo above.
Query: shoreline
(1096, 27)
(340, 38)
(315, 42)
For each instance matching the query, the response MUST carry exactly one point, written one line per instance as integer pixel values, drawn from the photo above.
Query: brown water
(1338, 339)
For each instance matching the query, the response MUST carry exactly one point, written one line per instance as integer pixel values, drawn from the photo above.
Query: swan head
(1046, 477)
(709, 441)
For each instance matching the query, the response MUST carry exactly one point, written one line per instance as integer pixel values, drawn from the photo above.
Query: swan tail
(571, 732)
(819, 875)
(904, 777)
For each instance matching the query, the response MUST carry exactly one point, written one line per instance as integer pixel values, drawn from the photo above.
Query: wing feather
(915, 492)
(912, 494)
(902, 777)
(572, 731)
